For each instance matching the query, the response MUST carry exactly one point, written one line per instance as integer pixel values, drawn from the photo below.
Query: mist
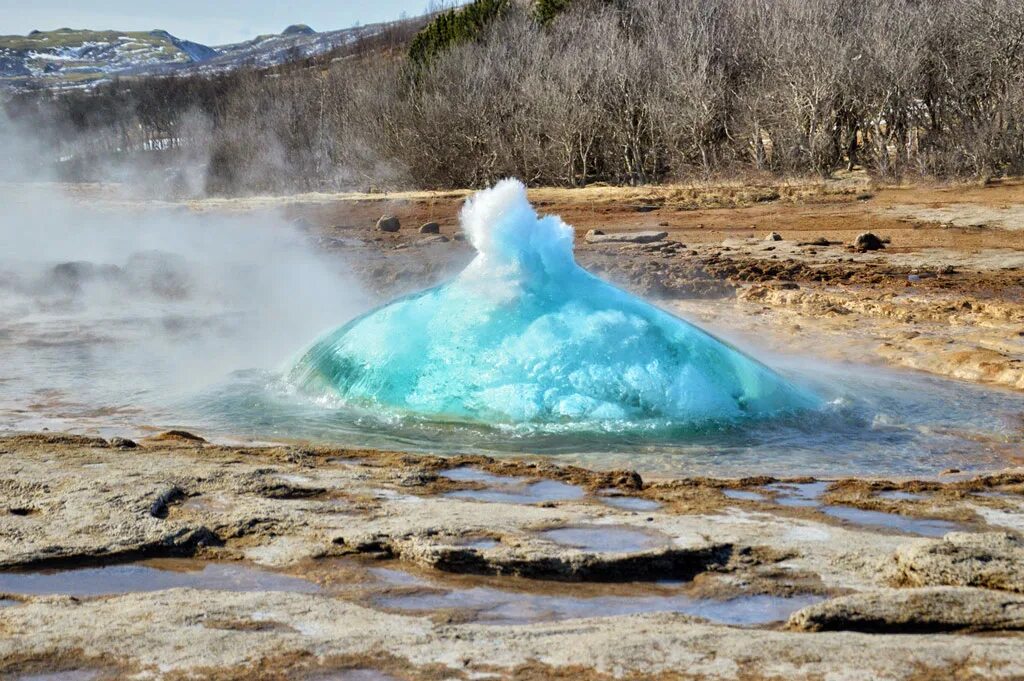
(123, 304)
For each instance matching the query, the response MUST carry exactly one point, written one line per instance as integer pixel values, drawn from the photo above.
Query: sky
(211, 22)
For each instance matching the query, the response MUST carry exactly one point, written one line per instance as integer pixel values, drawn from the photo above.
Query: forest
(571, 93)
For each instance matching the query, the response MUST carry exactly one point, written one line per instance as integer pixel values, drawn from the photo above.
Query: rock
(773, 236)
(177, 436)
(534, 561)
(70, 276)
(435, 239)
(388, 223)
(933, 609)
(868, 242)
(158, 509)
(993, 560)
(122, 443)
(459, 236)
(820, 241)
(430, 228)
(593, 237)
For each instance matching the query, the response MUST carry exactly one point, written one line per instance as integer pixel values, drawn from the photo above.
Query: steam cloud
(115, 303)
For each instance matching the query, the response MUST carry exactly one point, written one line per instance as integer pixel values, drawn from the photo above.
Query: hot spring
(125, 318)
(525, 336)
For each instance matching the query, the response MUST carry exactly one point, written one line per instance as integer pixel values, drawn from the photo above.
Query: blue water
(524, 335)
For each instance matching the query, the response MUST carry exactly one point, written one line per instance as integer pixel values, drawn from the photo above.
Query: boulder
(897, 611)
(773, 236)
(993, 560)
(430, 228)
(596, 237)
(868, 242)
(388, 223)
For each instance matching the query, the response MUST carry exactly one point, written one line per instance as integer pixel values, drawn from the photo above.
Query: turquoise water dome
(524, 335)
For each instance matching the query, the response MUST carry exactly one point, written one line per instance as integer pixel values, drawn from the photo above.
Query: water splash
(525, 335)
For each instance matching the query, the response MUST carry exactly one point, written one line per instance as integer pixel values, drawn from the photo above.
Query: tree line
(573, 93)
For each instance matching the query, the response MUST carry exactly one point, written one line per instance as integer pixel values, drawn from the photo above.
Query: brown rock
(868, 242)
(928, 610)
(993, 560)
(388, 223)
(430, 228)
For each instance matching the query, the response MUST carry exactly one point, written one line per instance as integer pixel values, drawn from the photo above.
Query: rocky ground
(176, 558)
(416, 567)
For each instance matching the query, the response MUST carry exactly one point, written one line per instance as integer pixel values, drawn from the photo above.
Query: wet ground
(306, 562)
(789, 551)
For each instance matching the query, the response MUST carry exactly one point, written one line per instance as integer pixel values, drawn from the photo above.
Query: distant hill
(75, 58)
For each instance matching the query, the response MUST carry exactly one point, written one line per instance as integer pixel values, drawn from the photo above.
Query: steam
(126, 304)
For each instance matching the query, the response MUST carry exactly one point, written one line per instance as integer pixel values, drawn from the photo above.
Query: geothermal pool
(238, 329)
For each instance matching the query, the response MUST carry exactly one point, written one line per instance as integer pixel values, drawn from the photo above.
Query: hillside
(70, 57)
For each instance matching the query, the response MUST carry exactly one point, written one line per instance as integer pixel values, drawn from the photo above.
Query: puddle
(394, 577)
(925, 527)
(469, 474)
(806, 494)
(480, 544)
(509, 490)
(631, 503)
(8, 603)
(493, 606)
(150, 576)
(897, 495)
(743, 495)
(610, 539)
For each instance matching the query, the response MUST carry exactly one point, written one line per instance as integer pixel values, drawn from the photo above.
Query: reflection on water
(495, 606)
(606, 539)
(510, 490)
(925, 527)
(150, 576)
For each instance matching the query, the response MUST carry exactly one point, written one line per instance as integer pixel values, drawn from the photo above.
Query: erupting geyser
(525, 335)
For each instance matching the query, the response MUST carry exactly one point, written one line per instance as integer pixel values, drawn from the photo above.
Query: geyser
(525, 335)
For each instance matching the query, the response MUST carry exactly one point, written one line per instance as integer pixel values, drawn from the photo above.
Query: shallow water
(898, 495)
(152, 576)
(631, 504)
(539, 492)
(606, 539)
(744, 495)
(924, 527)
(494, 606)
(798, 495)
